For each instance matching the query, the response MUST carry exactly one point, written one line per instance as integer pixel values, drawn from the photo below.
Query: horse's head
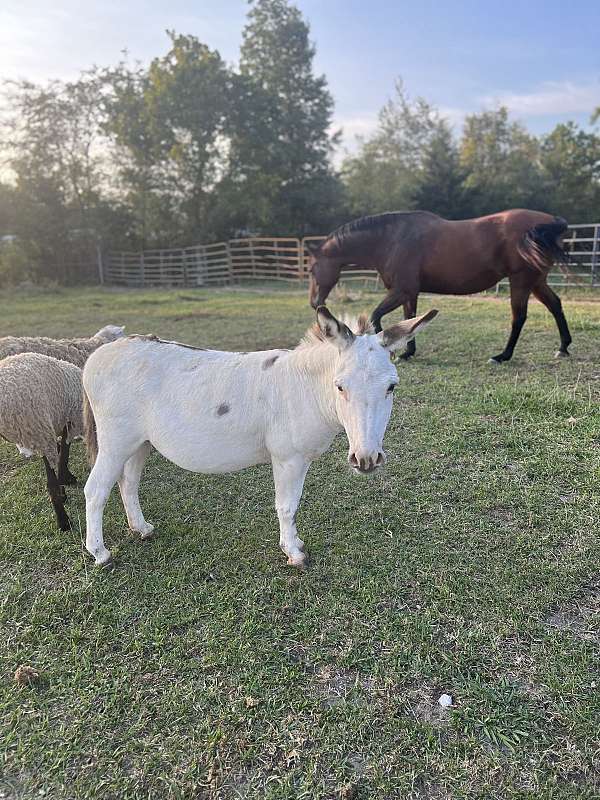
(364, 382)
(324, 272)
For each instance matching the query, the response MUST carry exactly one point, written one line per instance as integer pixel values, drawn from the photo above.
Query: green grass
(203, 667)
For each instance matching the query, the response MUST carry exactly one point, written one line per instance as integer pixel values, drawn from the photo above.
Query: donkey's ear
(333, 330)
(313, 247)
(401, 333)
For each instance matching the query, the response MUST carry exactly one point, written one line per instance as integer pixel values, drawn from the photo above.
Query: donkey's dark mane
(373, 222)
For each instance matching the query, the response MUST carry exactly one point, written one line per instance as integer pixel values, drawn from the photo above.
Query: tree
(279, 177)
(386, 172)
(440, 186)
(501, 161)
(53, 146)
(570, 160)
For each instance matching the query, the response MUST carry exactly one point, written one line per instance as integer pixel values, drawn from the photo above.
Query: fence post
(142, 275)
(100, 265)
(185, 267)
(595, 253)
(229, 262)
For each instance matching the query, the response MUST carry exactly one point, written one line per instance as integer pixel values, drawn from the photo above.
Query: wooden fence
(284, 259)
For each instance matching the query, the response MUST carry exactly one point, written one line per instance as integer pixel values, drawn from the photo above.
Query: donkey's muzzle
(366, 463)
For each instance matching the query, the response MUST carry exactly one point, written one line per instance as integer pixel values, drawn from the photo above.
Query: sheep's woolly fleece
(76, 351)
(39, 396)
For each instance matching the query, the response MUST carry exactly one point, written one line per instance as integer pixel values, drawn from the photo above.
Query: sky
(541, 58)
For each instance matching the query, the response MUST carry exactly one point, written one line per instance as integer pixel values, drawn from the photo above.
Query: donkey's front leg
(289, 477)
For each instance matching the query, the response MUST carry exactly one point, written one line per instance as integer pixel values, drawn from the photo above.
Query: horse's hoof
(561, 354)
(494, 360)
(69, 480)
(65, 525)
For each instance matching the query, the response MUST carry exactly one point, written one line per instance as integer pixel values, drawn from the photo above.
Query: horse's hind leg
(519, 297)
(65, 478)
(129, 484)
(552, 302)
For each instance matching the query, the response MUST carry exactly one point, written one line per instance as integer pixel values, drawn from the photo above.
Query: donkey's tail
(89, 430)
(541, 248)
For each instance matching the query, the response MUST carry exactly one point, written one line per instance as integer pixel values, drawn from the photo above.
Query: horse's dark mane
(373, 222)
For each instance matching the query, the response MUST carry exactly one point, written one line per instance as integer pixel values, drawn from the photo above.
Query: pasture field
(203, 667)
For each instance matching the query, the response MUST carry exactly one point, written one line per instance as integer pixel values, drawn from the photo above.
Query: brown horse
(421, 252)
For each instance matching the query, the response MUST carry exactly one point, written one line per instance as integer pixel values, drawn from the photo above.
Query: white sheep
(40, 400)
(76, 351)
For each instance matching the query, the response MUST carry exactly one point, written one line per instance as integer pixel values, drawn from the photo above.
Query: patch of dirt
(334, 685)
(430, 790)
(579, 616)
(424, 706)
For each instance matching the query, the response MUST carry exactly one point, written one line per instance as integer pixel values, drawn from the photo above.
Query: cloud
(552, 98)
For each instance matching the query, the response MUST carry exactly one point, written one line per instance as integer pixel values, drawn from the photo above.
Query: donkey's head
(364, 382)
(324, 269)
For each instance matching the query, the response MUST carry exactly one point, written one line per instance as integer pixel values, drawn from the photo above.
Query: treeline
(190, 149)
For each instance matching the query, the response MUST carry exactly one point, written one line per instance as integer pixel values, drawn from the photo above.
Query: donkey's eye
(391, 387)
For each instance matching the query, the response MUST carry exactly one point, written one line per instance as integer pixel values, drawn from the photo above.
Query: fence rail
(284, 259)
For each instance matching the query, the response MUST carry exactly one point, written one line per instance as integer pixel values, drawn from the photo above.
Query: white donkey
(214, 412)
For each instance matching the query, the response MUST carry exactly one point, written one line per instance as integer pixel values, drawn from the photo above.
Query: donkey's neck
(312, 368)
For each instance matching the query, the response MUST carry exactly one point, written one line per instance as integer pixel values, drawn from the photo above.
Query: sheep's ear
(401, 333)
(333, 330)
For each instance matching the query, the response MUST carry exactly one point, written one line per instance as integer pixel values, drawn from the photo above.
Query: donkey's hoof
(104, 559)
(148, 532)
(298, 560)
(561, 354)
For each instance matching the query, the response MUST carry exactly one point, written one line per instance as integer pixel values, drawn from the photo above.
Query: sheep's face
(110, 332)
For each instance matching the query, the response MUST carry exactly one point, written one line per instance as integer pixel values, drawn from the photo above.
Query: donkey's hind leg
(129, 484)
(105, 473)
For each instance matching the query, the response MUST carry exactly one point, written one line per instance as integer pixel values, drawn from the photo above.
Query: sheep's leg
(65, 478)
(105, 473)
(57, 497)
(129, 484)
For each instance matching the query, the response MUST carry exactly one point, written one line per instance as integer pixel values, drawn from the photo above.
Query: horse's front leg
(289, 477)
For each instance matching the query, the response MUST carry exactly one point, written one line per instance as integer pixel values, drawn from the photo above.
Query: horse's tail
(89, 430)
(541, 248)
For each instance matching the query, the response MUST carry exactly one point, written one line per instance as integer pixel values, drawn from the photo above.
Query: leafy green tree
(570, 159)
(279, 178)
(52, 144)
(8, 217)
(501, 161)
(386, 172)
(440, 185)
